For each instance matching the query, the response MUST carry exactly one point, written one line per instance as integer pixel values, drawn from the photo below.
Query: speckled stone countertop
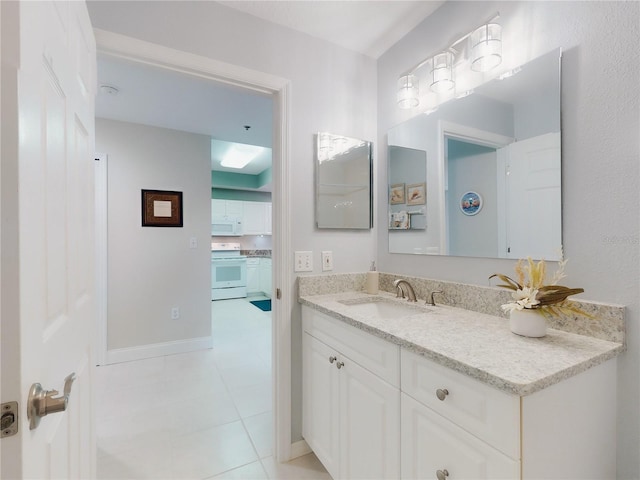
(476, 344)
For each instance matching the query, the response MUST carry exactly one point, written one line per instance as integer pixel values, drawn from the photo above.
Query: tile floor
(200, 415)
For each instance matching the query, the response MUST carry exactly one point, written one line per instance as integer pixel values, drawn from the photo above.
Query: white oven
(228, 271)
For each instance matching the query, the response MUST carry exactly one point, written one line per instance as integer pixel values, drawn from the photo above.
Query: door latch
(41, 402)
(9, 419)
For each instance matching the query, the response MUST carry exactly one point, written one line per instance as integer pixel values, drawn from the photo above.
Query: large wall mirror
(343, 182)
(481, 176)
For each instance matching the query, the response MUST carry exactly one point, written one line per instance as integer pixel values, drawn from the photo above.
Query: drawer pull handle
(442, 474)
(332, 359)
(442, 393)
(340, 365)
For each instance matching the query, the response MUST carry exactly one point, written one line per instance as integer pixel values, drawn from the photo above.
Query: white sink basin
(381, 307)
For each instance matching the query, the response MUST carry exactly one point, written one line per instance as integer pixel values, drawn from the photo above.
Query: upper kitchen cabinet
(231, 208)
(257, 218)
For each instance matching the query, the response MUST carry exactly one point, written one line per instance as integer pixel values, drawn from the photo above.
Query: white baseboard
(141, 352)
(299, 449)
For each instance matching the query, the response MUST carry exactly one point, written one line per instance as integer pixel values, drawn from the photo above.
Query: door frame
(128, 48)
(468, 134)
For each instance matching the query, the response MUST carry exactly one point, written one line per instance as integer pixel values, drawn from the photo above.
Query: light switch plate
(327, 260)
(303, 262)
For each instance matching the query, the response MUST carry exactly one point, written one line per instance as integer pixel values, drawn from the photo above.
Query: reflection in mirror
(491, 164)
(343, 182)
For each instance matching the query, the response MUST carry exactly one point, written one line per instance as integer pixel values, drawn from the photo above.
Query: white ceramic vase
(528, 323)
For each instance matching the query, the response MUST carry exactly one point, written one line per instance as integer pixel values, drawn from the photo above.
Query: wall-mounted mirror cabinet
(490, 163)
(343, 182)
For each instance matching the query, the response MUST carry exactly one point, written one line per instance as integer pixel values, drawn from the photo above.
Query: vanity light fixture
(408, 91)
(478, 51)
(442, 72)
(486, 47)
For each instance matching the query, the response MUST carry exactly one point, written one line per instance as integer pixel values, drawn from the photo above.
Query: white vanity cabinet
(456, 427)
(351, 399)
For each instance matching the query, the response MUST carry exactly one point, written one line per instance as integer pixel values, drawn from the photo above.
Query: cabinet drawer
(430, 443)
(375, 354)
(489, 414)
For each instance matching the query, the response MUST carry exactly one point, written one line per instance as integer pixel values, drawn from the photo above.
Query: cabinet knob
(442, 393)
(442, 474)
(340, 365)
(332, 359)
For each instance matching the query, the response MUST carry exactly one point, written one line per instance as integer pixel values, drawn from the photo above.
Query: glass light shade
(408, 91)
(486, 47)
(442, 72)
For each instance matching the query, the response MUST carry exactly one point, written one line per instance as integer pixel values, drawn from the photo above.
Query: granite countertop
(475, 344)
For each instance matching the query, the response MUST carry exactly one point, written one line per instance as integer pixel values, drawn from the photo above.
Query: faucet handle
(432, 301)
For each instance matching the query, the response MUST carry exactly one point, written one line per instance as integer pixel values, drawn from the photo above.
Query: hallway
(198, 415)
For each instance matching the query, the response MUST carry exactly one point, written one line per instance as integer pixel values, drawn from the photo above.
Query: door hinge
(9, 419)
(278, 293)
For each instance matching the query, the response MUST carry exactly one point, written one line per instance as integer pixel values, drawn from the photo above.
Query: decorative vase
(528, 323)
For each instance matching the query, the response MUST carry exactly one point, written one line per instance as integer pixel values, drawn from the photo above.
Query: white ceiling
(163, 98)
(368, 27)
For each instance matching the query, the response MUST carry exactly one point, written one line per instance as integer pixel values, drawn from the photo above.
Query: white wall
(332, 90)
(152, 269)
(600, 153)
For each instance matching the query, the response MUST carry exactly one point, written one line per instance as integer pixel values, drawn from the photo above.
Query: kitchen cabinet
(351, 415)
(257, 218)
(265, 276)
(230, 208)
(253, 276)
(462, 428)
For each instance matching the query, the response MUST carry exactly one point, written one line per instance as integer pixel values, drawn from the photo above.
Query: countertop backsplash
(608, 322)
(256, 253)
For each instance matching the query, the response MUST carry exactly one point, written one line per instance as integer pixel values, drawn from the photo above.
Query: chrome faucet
(404, 288)
(431, 301)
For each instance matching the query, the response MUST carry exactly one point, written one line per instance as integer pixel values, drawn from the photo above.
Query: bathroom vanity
(392, 390)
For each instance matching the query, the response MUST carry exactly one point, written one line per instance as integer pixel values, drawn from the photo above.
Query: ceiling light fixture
(240, 155)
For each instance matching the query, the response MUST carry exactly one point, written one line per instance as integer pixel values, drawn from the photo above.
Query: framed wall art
(161, 208)
(396, 194)
(471, 203)
(417, 194)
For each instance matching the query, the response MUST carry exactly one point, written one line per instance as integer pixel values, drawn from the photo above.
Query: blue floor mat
(264, 305)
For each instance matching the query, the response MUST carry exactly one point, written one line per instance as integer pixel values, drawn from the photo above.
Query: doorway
(131, 49)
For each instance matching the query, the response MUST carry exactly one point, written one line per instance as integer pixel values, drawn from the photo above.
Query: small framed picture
(417, 194)
(471, 203)
(161, 208)
(396, 194)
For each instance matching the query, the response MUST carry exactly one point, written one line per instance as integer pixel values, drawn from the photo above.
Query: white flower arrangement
(530, 292)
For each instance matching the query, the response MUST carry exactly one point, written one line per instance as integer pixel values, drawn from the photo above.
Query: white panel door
(369, 424)
(534, 207)
(51, 270)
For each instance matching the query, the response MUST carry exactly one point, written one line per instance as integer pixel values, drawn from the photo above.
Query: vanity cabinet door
(369, 424)
(433, 446)
(320, 401)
